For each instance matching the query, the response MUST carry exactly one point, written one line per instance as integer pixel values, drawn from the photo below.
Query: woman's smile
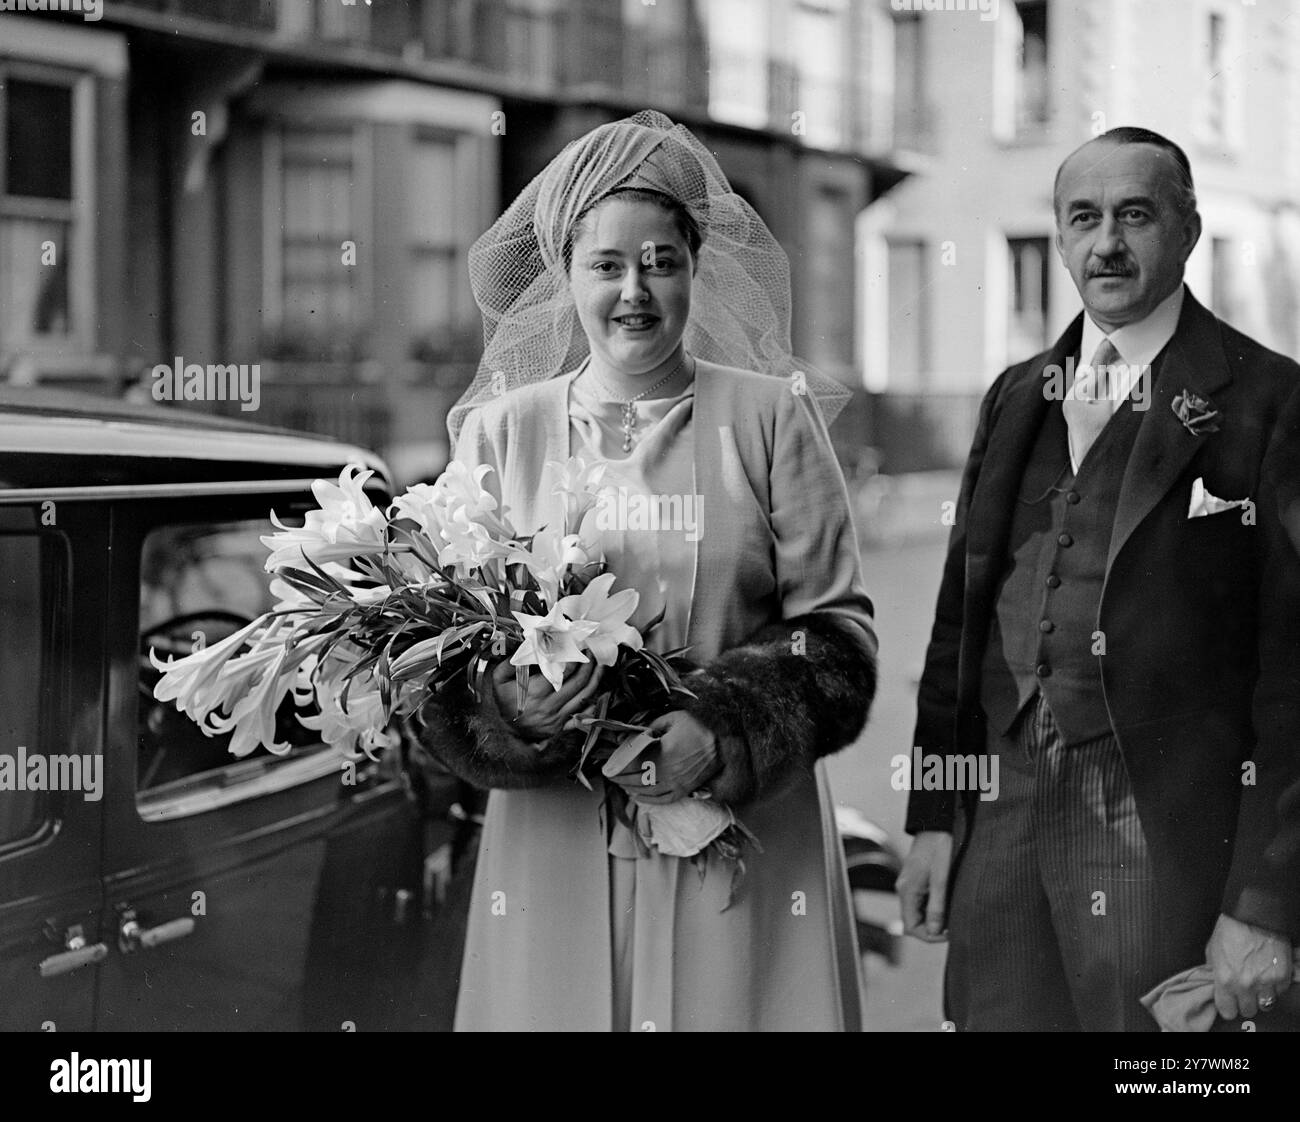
(637, 322)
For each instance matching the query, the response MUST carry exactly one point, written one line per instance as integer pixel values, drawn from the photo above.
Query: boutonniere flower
(1197, 414)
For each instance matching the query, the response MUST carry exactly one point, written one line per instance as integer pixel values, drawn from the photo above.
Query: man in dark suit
(1119, 625)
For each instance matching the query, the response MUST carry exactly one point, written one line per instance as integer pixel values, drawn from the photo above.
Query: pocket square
(1203, 503)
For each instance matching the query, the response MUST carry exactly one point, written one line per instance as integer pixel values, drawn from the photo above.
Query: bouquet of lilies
(379, 608)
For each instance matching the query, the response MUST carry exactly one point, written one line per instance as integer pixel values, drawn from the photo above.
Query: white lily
(362, 721)
(464, 488)
(424, 504)
(581, 485)
(252, 722)
(550, 642)
(469, 544)
(609, 614)
(194, 682)
(346, 526)
(551, 558)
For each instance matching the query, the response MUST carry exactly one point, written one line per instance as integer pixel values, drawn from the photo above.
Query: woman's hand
(685, 758)
(546, 710)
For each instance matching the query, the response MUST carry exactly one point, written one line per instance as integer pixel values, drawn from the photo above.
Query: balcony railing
(261, 15)
(498, 35)
(541, 50)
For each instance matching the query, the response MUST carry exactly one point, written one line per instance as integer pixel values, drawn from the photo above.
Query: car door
(52, 937)
(255, 893)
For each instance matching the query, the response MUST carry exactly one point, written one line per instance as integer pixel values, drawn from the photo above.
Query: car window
(199, 583)
(33, 584)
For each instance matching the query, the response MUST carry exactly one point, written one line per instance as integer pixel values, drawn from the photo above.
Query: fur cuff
(793, 692)
(477, 744)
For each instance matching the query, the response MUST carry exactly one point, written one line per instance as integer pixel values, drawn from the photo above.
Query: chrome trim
(66, 961)
(75, 435)
(211, 797)
(157, 490)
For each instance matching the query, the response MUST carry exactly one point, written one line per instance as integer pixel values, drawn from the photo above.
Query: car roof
(60, 438)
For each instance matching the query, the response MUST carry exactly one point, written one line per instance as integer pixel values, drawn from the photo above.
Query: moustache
(1110, 269)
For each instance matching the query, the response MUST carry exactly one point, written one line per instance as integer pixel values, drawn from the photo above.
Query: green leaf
(594, 726)
(627, 752)
(521, 689)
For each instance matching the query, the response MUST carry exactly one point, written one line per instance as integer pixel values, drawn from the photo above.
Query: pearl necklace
(629, 406)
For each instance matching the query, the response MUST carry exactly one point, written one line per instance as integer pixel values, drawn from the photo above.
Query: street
(902, 581)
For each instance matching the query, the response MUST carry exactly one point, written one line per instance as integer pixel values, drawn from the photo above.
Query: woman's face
(631, 276)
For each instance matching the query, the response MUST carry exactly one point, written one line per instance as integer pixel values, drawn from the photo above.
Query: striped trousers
(1052, 921)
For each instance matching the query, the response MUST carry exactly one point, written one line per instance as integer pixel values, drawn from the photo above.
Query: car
(149, 880)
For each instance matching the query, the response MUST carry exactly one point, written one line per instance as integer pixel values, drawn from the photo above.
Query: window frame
(53, 713)
(1228, 140)
(457, 244)
(239, 781)
(78, 212)
(361, 207)
(1043, 242)
(917, 381)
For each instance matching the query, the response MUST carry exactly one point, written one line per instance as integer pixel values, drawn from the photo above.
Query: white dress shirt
(1138, 344)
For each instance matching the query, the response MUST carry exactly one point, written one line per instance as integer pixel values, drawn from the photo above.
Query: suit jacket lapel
(1024, 405)
(1194, 361)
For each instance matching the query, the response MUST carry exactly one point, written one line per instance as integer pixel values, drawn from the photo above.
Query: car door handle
(67, 961)
(132, 937)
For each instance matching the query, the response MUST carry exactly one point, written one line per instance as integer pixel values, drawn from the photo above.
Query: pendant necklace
(629, 406)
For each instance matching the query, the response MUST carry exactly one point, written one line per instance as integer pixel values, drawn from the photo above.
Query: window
(317, 306)
(347, 23)
(199, 583)
(830, 277)
(911, 122)
(436, 269)
(43, 270)
(907, 319)
(738, 64)
(1032, 91)
(1223, 280)
(1029, 267)
(33, 585)
(441, 321)
(1216, 115)
(531, 39)
(820, 35)
(455, 29)
(519, 37)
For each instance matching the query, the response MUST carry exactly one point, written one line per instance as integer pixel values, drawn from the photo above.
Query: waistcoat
(1044, 634)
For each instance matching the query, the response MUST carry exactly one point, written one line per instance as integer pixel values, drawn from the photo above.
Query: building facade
(295, 183)
(960, 276)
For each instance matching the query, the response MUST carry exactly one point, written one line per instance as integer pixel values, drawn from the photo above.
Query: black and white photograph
(651, 516)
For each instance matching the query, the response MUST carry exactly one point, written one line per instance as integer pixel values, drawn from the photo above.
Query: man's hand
(685, 758)
(923, 885)
(1252, 968)
(546, 710)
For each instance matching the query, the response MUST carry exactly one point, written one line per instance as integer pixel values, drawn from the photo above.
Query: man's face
(1119, 231)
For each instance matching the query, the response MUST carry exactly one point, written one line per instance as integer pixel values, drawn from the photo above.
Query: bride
(637, 314)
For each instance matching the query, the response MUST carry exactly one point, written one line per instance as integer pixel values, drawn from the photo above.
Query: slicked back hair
(1183, 190)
